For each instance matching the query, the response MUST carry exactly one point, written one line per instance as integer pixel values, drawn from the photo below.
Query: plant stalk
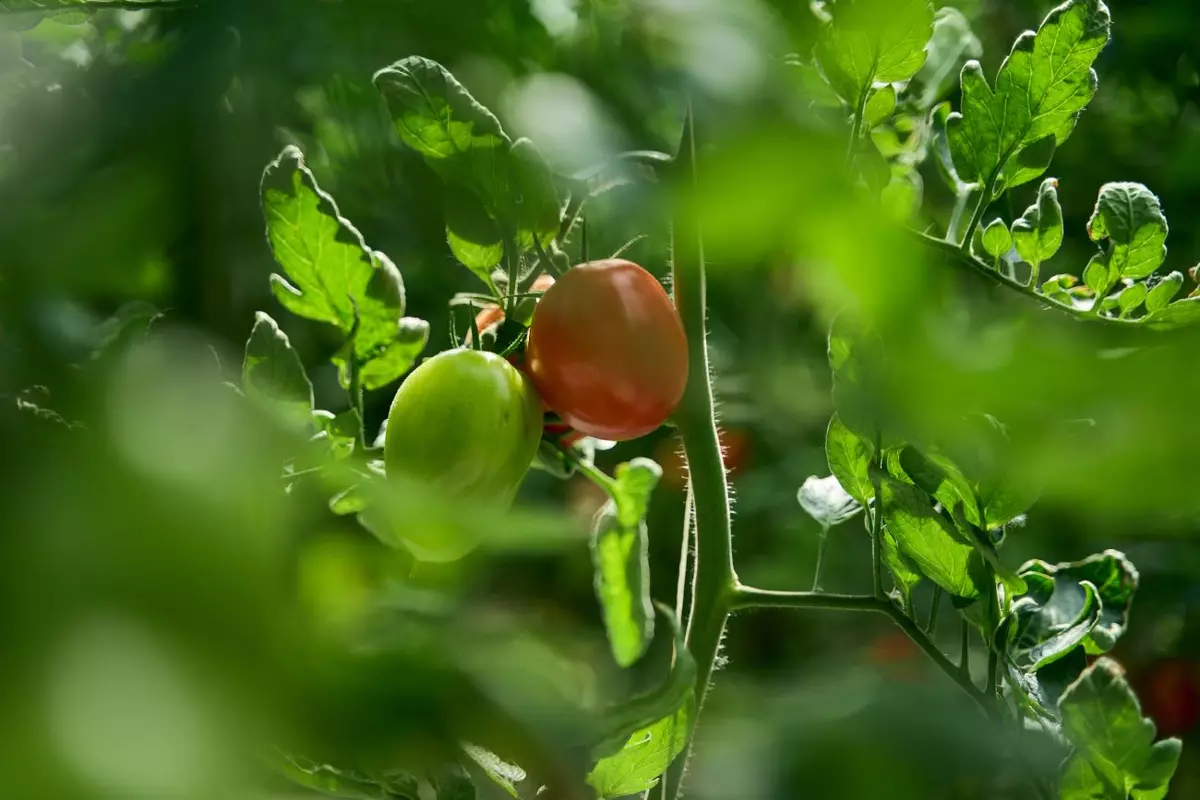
(977, 216)
(823, 542)
(934, 606)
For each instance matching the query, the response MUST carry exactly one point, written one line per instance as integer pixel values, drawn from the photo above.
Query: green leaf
(340, 431)
(927, 539)
(333, 277)
(1041, 88)
(1129, 216)
(1131, 297)
(881, 104)
(500, 772)
(452, 782)
(1028, 164)
(472, 234)
(344, 783)
(904, 574)
(1116, 757)
(1163, 291)
(953, 42)
(1046, 629)
(940, 478)
(850, 457)
(826, 501)
(273, 374)
(1038, 234)
(1179, 314)
(464, 143)
(996, 239)
(873, 41)
(620, 560)
(645, 756)
(1115, 580)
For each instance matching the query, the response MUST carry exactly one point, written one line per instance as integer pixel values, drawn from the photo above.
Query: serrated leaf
(620, 560)
(1038, 234)
(1129, 217)
(996, 239)
(332, 275)
(273, 374)
(1116, 757)
(645, 757)
(1179, 314)
(826, 501)
(1041, 88)
(849, 457)
(464, 143)
(1048, 625)
(1164, 291)
(1115, 580)
(881, 104)
(873, 41)
(927, 539)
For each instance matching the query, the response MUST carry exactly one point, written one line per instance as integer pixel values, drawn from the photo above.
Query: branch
(747, 597)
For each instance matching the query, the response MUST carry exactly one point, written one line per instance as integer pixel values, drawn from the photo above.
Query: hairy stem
(713, 578)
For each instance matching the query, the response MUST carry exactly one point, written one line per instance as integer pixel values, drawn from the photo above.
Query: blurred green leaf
(620, 560)
(273, 374)
(1116, 757)
(348, 784)
(849, 457)
(1112, 575)
(499, 772)
(333, 277)
(881, 104)
(340, 431)
(1129, 216)
(1038, 234)
(645, 756)
(873, 41)
(904, 574)
(927, 539)
(1179, 314)
(452, 782)
(952, 43)
(1164, 291)
(1041, 88)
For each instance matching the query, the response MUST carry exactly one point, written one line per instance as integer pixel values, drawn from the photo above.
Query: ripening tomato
(607, 351)
(467, 423)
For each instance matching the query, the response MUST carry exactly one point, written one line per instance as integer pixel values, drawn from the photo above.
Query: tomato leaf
(1049, 624)
(473, 236)
(1179, 314)
(873, 41)
(1129, 217)
(1115, 580)
(504, 775)
(1042, 86)
(620, 558)
(996, 239)
(344, 783)
(952, 43)
(926, 539)
(881, 104)
(1115, 755)
(849, 456)
(273, 374)
(1038, 234)
(332, 276)
(826, 501)
(1161, 293)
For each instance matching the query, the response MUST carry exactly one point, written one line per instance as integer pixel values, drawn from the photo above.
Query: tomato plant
(607, 351)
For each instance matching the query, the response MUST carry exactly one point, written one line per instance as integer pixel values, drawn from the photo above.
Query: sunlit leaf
(1115, 580)
(1163, 291)
(1129, 217)
(1049, 624)
(996, 239)
(1038, 234)
(927, 539)
(881, 103)
(645, 756)
(849, 457)
(273, 374)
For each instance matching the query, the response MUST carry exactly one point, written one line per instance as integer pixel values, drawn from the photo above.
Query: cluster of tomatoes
(606, 355)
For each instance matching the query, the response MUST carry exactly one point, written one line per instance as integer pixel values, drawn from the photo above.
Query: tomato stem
(822, 544)
(934, 606)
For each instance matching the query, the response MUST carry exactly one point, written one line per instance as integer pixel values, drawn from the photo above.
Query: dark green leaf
(452, 782)
(619, 558)
(873, 41)
(850, 457)
(1129, 216)
(826, 501)
(1038, 234)
(1162, 292)
(472, 234)
(1045, 629)
(272, 373)
(333, 277)
(1116, 757)
(939, 478)
(1041, 88)
(927, 539)
(1115, 579)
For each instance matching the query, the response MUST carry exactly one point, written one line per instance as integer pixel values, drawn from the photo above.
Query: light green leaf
(1115, 579)
(501, 773)
(1041, 88)
(1048, 624)
(938, 477)
(1179, 314)
(826, 501)
(996, 239)
(1131, 297)
(620, 560)
(1038, 234)
(1129, 216)
(873, 41)
(333, 277)
(340, 431)
(1116, 757)
(645, 756)
(904, 574)
(273, 374)
(927, 539)
(850, 457)
(881, 104)
(1162, 292)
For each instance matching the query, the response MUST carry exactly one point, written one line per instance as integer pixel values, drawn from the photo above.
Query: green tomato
(467, 424)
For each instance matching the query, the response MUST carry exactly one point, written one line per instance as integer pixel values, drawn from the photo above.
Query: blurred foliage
(169, 609)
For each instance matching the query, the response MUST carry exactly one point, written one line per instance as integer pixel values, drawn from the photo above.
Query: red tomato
(607, 351)
(1170, 695)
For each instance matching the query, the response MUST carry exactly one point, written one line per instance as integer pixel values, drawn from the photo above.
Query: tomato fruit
(607, 351)
(466, 423)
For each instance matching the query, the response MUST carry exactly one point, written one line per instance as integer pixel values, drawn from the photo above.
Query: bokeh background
(149, 569)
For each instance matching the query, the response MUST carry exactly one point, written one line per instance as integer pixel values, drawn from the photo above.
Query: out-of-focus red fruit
(1169, 691)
